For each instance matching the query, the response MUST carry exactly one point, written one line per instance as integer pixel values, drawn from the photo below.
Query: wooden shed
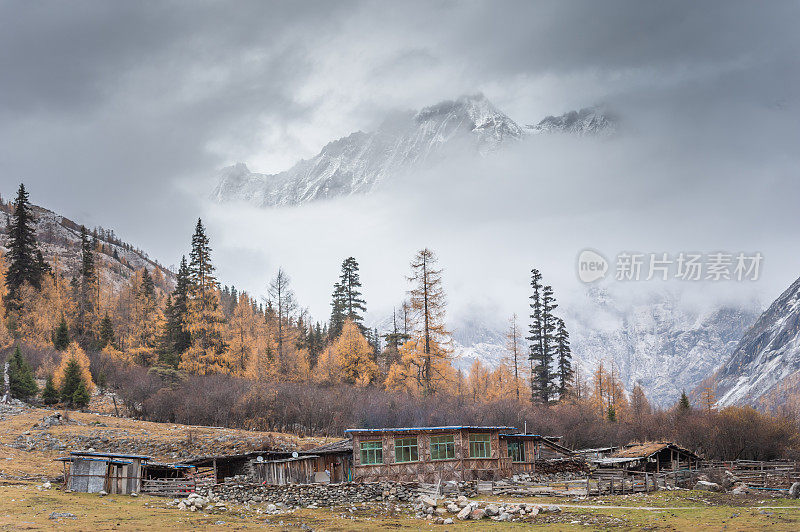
(525, 450)
(429, 454)
(334, 461)
(651, 457)
(93, 472)
(169, 480)
(294, 470)
(215, 469)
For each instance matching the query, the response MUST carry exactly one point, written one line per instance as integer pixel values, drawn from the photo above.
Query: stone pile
(446, 512)
(240, 490)
(196, 502)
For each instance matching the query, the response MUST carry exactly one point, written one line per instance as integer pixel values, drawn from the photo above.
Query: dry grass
(25, 506)
(38, 463)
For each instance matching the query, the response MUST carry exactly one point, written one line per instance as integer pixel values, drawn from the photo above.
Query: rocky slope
(768, 356)
(360, 162)
(59, 238)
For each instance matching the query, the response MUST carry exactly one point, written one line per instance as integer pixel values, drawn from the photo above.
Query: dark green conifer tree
(81, 396)
(683, 403)
(338, 306)
(86, 291)
(50, 395)
(61, 336)
(564, 353)
(20, 377)
(25, 264)
(106, 331)
(542, 337)
(72, 379)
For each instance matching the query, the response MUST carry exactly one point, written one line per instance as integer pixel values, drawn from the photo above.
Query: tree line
(81, 333)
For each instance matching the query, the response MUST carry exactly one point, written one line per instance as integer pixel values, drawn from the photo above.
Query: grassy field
(25, 506)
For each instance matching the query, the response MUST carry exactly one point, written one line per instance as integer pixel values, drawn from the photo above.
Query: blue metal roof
(523, 435)
(109, 455)
(423, 429)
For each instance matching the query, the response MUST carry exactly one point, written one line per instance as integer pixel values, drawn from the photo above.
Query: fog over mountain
(122, 115)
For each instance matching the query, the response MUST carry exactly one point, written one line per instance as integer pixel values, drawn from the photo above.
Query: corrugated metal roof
(109, 455)
(424, 429)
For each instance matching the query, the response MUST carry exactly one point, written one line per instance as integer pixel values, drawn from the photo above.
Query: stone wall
(240, 490)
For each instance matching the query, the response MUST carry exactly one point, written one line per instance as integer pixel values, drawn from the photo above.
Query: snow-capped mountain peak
(361, 161)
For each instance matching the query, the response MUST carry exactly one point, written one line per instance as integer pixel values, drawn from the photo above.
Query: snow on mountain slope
(60, 237)
(767, 356)
(657, 340)
(360, 162)
(587, 121)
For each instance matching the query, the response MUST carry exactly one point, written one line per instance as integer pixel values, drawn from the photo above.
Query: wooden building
(168, 480)
(334, 461)
(651, 457)
(430, 454)
(525, 450)
(93, 472)
(293, 470)
(215, 469)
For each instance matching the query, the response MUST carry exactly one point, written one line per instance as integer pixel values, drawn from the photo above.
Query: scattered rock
(794, 490)
(705, 485)
(60, 515)
(477, 514)
(464, 513)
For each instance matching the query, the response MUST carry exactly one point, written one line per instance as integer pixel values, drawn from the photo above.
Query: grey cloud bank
(120, 113)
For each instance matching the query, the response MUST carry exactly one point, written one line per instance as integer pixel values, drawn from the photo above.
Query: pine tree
(338, 311)
(542, 338)
(61, 336)
(81, 396)
(106, 332)
(73, 378)
(683, 403)
(87, 291)
(50, 395)
(207, 351)
(350, 283)
(611, 414)
(177, 338)
(20, 377)
(564, 353)
(24, 258)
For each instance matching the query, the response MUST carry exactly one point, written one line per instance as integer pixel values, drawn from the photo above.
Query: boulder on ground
(492, 510)
(428, 501)
(477, 514)
(707, 486)
(464, 513)
(453, 508)
(794, 491)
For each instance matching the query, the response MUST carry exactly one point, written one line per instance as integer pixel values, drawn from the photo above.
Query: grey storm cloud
(120, 113)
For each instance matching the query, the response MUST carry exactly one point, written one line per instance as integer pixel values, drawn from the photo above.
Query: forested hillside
(84, 311)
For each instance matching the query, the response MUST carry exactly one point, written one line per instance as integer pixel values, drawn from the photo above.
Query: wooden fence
(168, 487)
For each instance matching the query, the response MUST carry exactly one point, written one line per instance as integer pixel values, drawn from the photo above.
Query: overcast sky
(121, 113)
